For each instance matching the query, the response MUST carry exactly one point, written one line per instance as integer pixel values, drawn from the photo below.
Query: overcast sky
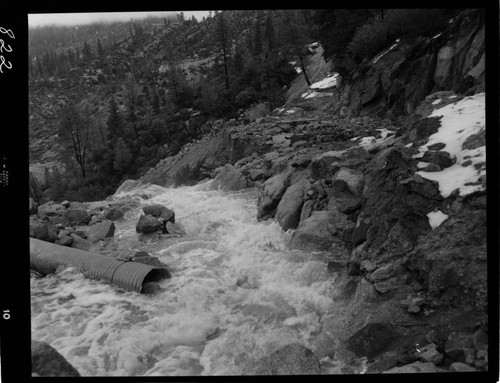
(86, 18)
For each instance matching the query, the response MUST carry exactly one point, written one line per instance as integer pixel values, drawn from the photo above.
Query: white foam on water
(236, 294)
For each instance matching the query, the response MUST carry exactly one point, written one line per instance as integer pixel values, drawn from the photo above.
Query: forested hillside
(108, 101)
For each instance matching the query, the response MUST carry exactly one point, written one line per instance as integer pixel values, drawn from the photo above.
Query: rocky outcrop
(229, 179)
(313, 233)
(46, 361)
(197, 160)
(73, 224)
(362, 202)
(398, 81)
(371, 340)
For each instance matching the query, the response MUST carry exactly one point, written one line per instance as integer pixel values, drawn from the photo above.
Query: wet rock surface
(46, 361)
(292, 359)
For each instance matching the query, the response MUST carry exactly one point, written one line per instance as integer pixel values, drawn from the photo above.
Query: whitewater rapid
(236, 294)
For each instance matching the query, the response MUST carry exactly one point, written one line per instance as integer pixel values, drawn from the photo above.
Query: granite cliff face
(398, 79)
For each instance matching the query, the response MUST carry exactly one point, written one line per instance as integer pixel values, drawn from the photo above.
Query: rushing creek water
(201, 322)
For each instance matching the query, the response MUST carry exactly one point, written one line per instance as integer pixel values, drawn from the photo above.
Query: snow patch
(435, 102)
(369, 142)
(385, 132)
(459, 121)
(314, 94)
(327, 82)
(297, 68)
(436, 218)
(378, 57)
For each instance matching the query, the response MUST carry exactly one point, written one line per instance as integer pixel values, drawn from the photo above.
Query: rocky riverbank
(408, 259)
(398, 204)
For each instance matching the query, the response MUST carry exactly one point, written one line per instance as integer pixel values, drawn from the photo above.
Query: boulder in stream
(160, 211)
(101, 230)
(148, 224)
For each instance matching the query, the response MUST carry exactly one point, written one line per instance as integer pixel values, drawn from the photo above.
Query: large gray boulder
(114, 213)
(160, 211)
(292, 359)
(46, 361)
(51, 209)
(127, 186)
(272, 191)
(290, 206)
(77, 217)
(101, 230)
(79, 242)
(372, 339)
(348, 180)
(42, 230)
(313, 234)
(229, 179)
(148, 224)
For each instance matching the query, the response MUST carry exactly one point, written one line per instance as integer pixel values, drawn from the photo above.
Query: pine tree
(269, 35)
(71, 57)
(223, 40)
(295, 39)
(122, 156)
(155, 102)
(114, 122)
(100, 50)
(257, 42)
(87, 51)
(75, 132)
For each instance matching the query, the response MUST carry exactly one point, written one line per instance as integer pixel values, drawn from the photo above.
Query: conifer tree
(295, 38)
(223, 40)
(257, 41)
(269, 35)
(114, 122)
(100, 50)
(75, 134)
(122, 156)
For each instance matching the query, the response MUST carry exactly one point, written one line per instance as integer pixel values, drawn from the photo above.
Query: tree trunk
(303, 67)
(225, 67)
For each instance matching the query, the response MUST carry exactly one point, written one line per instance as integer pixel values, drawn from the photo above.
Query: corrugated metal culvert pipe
(45, 257)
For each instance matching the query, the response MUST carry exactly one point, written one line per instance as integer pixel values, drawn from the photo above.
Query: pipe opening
(150, 282)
